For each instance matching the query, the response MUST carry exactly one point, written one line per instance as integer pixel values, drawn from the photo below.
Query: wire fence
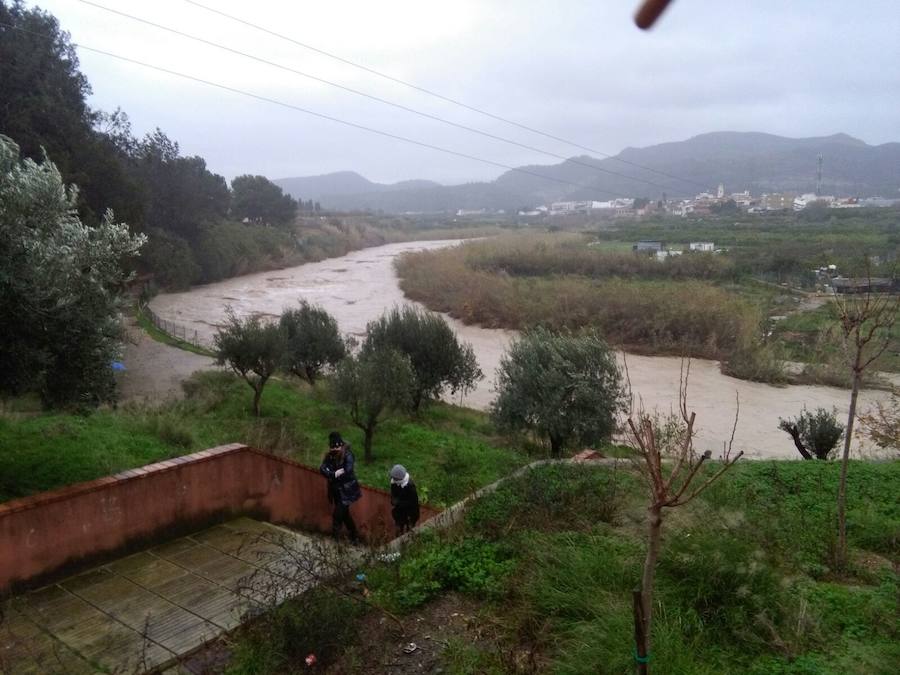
(176, 330)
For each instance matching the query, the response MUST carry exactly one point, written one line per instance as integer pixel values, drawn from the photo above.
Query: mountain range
(740, 161)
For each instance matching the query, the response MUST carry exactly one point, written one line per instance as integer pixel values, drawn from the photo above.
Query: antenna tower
(819, 176)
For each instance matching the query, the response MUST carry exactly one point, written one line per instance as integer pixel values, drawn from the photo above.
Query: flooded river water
(358, 287)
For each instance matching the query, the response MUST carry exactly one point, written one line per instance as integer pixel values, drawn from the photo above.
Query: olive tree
(439, 360)
(372, 386)
(61, 284)
(313, 341)
(815, 435)
(561, 386)
(251, 348)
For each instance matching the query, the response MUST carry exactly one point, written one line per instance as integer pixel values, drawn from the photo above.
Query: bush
(563, 387)
(756, 362)
(815, 434)
(320, 622)
(471, 565)
(227, 249)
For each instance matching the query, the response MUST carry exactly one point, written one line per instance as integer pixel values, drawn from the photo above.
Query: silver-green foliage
(252, 348)
(438, 358)
(314, 341)
(60, 286)
(373, 385)
(562, 386)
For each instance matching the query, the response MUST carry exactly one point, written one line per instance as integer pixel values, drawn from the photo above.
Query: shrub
(755, 361)
(682, 315)
(320, 622)
(815, 434)
(470, 565)
(564, 387)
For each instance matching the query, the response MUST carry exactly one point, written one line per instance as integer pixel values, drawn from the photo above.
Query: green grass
(744, 583)
(814, 336)
(144, 322)
(449, 451)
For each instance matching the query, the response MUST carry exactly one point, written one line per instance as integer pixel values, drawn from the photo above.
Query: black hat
(335, 440)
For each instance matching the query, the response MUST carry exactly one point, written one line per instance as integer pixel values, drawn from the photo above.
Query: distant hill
(344, 183)
(740, 160)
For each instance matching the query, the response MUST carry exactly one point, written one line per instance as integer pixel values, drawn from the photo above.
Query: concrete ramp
(143, 611)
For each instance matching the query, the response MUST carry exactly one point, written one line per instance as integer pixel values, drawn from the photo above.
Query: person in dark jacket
(404, 499)
(343, 488)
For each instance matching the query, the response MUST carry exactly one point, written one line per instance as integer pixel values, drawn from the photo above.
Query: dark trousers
(341, 516)
(403, 519)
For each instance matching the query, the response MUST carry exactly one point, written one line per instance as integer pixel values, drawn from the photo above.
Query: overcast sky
(578, 70)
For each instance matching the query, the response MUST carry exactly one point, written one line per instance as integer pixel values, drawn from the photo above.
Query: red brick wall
(43, 533)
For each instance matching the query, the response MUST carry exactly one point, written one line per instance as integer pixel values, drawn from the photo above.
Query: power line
(357, 92)
(442, 97)
(313, 113)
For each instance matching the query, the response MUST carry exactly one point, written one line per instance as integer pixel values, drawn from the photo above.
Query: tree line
(190, 215)
(564, 388)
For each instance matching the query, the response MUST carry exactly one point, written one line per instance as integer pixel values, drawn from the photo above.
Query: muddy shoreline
(358, 287)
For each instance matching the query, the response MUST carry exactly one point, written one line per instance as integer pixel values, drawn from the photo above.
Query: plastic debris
(310, 660)
(361, 577)
(410, 648)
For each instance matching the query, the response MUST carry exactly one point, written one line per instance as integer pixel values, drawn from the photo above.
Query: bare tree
(881, 424)
(866, 322)
(670, 467)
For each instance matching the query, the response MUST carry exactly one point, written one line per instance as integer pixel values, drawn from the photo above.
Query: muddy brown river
(358, 287)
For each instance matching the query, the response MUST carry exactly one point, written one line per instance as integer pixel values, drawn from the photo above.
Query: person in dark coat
(404, 499)
(343, 488)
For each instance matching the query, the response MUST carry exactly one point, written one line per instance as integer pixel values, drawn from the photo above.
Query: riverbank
(357, 288)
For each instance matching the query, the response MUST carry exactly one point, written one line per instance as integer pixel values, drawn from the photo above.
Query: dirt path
(154, 371)
(358, 287)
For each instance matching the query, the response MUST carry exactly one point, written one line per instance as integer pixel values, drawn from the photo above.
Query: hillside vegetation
(717, 306)
(745, 582)
(741, 160)
(449, 450)
(556, 281)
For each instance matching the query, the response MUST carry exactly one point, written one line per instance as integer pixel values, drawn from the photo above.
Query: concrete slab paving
(145, 610)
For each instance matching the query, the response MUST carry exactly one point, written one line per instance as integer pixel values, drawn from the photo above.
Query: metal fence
(176, 330)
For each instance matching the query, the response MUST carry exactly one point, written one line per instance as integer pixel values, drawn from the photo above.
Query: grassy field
(449, 450)
(814, 336)
(744, 585)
